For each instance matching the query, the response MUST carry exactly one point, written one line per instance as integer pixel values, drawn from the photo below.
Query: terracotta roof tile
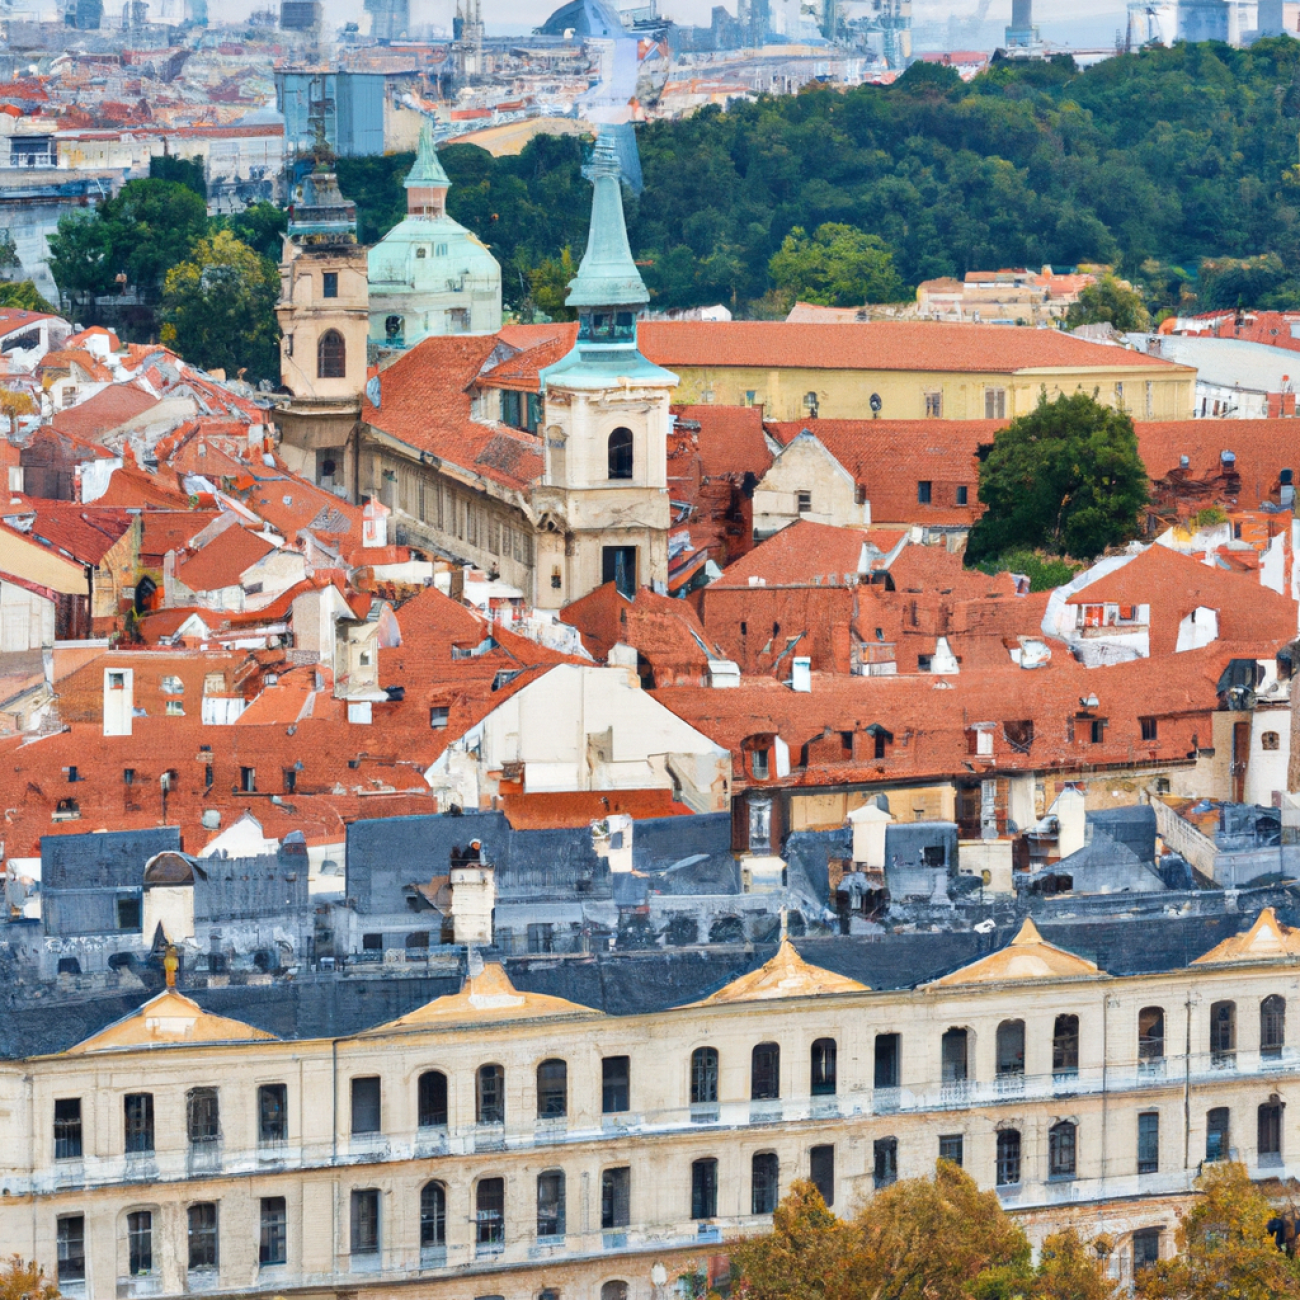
(107, 410)
(223, 560)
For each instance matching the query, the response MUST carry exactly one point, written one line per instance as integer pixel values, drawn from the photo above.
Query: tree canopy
(1224, 1247)
(1149, 162)
(920, 1239)
(839, 266)
(24, 1280)
(219, 309)
(1066, 479)
(1110, 302)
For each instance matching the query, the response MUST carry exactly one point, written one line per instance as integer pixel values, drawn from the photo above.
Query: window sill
(433, 1256)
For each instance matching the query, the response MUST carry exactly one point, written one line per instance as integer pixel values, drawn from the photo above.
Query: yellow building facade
(502, 1142)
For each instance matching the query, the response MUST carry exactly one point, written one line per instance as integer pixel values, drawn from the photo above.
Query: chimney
(473, 901)
(801, 675)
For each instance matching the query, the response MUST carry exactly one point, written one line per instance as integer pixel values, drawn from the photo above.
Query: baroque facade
(511, 1142)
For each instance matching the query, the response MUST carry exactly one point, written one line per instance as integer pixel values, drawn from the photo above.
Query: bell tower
(602, 504)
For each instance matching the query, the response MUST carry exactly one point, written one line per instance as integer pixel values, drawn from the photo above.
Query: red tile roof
(535, 812)
(425, 403)
(170, 530)
(223, 561)
(1263, 449)
(85, 533)
(880, 345)
(109, 408)
(804, 554)
(1173, 585)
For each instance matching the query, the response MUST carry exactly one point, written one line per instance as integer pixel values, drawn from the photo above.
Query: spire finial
(785, 923)
(608, 276)
(170, 962)
(428, 172)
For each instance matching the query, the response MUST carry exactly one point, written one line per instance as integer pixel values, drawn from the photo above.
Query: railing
(529, 1132)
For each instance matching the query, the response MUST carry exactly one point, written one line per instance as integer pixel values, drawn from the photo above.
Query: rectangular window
(72, 1249)
(923, 492)
(1146, 1248)
(272, 1113)
(765, 1072)
(1216, 1134)
(433, 1099)
(821, 1171)
(438, 716)
(203, 1235)
(1149, 728)
(1149, 1142)
(203, 1115)
(139, 1243)
(365, 1105)
(550, 1204)
(887, 1054)
(886, 1161)
(764, 1183)
(615, 1197)
(139, 1122)
(963, 494)
(759, 764)
(248, 780)
(615, 1072)
(329, 284)
(803, 500)
(1270, 1132)
(1008, 1167)
(490, 1212)
(128, 913)
(951, 1147)
(995, 403)
(67, 1129)
(290, 775)
(1097, 731)
(704, 1189)
(934, 406)
(365, 1221)
(273, 1248)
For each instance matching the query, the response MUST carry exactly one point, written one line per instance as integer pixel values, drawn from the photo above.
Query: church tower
(602, 504)
(323, 319)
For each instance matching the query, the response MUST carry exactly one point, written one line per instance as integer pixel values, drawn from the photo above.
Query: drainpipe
(1187, 1088)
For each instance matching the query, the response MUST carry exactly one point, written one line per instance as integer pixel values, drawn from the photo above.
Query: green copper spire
(608, 276)
(428, 172)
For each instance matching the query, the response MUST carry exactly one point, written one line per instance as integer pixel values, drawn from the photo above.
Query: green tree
(184, 171)
(1109, 301)
(24, 295)
(21, 1280)
(1045, 572)
(548, 284)
(141, 233)
(1065, 479)
(1229, 282)
(260, 225)
(839, 266)
(1224, 1247)
(219, 309)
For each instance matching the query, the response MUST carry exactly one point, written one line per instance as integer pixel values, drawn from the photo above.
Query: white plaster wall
(26, 619)
(1267, 768)
(1197, 629)
(806, 466)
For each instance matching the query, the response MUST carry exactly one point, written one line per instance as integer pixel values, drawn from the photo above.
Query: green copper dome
(428, 171)
(608, 276)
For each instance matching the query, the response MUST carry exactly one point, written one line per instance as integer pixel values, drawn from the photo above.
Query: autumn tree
(802, 1257)
(13, 403)
(1224, 1247)
(1066, 479)
(23, 1280)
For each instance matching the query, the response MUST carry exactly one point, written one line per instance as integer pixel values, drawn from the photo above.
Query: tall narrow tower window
(331, 356)
(620, 453)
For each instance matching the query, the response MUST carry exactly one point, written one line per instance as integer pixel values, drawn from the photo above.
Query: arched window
(331, 356)
(552, 1089)
(1065, 1045)
(1060, 1150)
(1272, 1027)
(1011, 1049)
(823, 1069)
(1223, 1035)
(491, 1099)
(433, 1215)
(1151, 1036)
(1216, 1133)
(765, 1072)
(1008, 1158)
(393, 326)
(614, 1291)
(433, 1099)
(620, 453)
(704, 1076)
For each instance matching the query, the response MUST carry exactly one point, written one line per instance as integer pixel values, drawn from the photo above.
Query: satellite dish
(372, 391)
(876, 403)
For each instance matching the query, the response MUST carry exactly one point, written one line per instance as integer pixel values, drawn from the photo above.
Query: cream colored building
(906, 370)
(503, 1142)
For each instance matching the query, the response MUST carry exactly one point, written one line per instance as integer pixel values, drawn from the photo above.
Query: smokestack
(1022, 14)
